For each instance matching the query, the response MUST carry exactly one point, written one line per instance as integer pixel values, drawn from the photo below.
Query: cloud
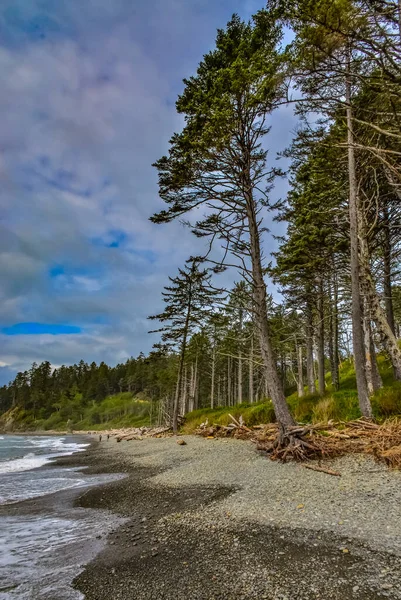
(88, 87)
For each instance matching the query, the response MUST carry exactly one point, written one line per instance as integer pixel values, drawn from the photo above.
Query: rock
(181, 442)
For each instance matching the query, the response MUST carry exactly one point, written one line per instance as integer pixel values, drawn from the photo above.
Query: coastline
(213, 519)
(46, 538)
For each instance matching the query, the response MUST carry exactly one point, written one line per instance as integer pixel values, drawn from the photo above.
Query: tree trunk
(251, 398)
(309, 350)
(300, 380)
(239, 400)
(176, 406)
(333, 335)
(267, 393)
(281, 409)
(382, 326)
(367, 337)
(194, 376)
(320, 341)
(191, 387)
(375, 309)
(376, 377)
(357, 329)
(184, 393)
(213, 374)
(388, 296)
(372, 372)
(229, 381)
(336, 378)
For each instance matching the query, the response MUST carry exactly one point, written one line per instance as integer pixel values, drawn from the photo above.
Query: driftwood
(235, 429)
(305, 442)
(137, 433)
(322, 470)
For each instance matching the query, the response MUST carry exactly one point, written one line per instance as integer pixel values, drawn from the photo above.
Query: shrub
(387, 401)
(324, 410)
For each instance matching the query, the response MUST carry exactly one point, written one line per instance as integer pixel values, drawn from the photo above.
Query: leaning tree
(219, 162)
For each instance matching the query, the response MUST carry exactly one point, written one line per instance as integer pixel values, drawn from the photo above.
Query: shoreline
(213, 519)
(47, 539)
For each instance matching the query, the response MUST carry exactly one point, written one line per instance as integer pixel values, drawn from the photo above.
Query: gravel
(215, 519)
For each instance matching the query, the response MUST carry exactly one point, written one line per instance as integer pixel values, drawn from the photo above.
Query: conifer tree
(218, 161)
(188, 301)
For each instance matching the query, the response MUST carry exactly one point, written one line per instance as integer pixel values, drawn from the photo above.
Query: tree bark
(367, 336)
(300, 380)
(382, 326)
(388, 296)
(336, 379)
(251, 395)
(372, 371)
(239, 399)
(309, 350)
(333, 335)
(192, 387)
(229, 381)
(213, 374)
(376, 377)
(320, 341)
(176, 406)
(357, 330)
(184, 394)
(375, 309)
(281, 409)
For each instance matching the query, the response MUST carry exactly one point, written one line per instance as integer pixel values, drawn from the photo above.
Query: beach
(215, 519)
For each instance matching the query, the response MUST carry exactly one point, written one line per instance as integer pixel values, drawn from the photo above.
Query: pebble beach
(215, 519)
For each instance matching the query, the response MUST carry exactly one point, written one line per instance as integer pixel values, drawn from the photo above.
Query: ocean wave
(57, 444)
(40, 451)
(27, 463)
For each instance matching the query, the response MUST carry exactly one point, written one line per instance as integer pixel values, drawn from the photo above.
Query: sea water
(42, 552)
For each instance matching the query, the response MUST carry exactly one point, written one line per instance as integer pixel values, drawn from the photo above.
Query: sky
(88, 90)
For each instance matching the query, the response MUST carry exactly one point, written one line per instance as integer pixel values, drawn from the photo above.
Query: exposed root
(323, 440)
(298, 443)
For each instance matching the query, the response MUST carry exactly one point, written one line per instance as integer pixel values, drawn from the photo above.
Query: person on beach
(100, 437)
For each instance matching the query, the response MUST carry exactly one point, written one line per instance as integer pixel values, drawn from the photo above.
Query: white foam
(56, 448)
(57, 444)
(27, 463)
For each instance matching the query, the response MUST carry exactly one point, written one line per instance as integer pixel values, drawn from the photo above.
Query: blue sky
(88, 92)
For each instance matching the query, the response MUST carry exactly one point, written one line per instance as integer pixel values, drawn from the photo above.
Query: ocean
(42, 550)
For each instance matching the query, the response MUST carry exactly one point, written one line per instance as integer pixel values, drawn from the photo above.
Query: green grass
(262, 412)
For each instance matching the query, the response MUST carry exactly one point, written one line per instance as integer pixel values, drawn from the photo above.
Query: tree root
(296, 443)
(304, 443)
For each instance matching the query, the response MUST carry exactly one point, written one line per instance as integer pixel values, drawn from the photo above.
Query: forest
(331, 340)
